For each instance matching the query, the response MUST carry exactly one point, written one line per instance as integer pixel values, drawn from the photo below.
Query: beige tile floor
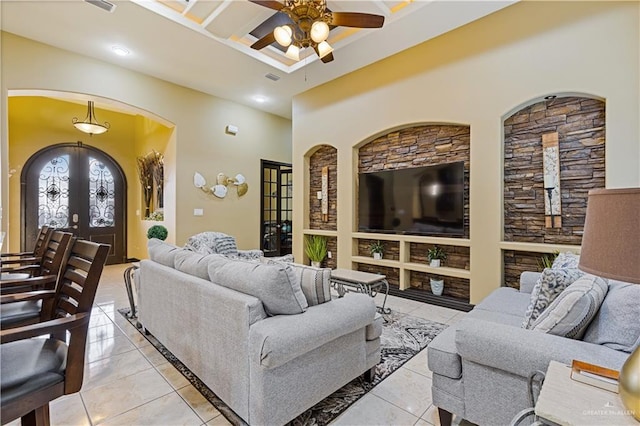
(128, 382)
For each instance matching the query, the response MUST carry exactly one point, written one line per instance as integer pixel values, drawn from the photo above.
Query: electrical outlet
(198, 212)
(329, 254)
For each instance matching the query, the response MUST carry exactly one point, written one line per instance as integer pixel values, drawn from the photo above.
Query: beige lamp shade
(611, 240)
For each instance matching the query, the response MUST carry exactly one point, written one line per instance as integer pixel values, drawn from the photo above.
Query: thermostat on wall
(231, 129)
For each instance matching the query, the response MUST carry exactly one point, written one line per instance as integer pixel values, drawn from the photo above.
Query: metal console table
(360, 282)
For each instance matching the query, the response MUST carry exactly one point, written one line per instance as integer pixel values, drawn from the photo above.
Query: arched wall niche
(578, 122)
(408, 146)
(319, 157)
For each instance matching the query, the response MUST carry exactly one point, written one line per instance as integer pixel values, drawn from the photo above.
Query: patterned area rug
(403, 336)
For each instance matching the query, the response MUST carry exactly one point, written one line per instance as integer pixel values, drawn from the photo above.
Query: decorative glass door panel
(276, 200)
(76, 188)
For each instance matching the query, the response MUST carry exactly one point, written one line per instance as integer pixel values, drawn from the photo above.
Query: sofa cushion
(571, 312)
(161, 252)
(212, 242)
(315, 282)
(197, 264)
(617, 324)
(443, 355)
(276, 286)
(507, 300)
(551, 283)
(566, 260)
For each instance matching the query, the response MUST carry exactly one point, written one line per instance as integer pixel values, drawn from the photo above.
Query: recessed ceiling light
(260, 99)
(120, 51)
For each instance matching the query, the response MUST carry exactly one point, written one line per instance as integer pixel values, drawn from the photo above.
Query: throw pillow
(161, 252)
(572, 311)
(566, 260)
(212, 242)
(315, 282)
(617, 325)
(276, 286)
(550, 284)
(197, 264)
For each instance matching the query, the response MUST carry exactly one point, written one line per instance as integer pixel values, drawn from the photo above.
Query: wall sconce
(222, 183)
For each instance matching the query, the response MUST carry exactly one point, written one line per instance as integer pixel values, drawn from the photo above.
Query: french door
(79, 189)
(277, 208)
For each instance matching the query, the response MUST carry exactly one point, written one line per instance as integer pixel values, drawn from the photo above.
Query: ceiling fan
(310, 25)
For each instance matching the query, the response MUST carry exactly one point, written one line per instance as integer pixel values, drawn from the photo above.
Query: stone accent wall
(391, 249)
(332, 246)
(393, 274)
(420, 146)
(453, 287)
(515, 263)
(325, 156)
(580, 123)
(457, 257)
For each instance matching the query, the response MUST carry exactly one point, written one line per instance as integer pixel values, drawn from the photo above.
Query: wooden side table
(565, 401)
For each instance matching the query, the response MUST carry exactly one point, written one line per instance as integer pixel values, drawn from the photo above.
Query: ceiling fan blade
(264, 41)
(358, 20)
(271, 4)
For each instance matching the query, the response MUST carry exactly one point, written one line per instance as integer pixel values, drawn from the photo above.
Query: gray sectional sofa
(482, 364)
(267, 366)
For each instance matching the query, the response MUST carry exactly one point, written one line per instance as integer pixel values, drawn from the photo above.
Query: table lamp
(611, 249)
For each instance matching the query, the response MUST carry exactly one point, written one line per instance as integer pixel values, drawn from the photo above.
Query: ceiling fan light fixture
(90, 125)
(324, 49)
(283, 35)
(293, 52)
(319, 31)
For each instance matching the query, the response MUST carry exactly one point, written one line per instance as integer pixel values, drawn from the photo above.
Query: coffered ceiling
(205, 44)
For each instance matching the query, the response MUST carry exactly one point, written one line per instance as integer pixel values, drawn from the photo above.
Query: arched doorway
(76, 188)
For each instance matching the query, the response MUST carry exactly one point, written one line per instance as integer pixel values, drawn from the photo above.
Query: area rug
(403, 336)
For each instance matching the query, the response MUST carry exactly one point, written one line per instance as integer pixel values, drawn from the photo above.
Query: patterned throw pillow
(550, 284)
(315, 282)
(566, 260)
(212, 242)
(572, 311)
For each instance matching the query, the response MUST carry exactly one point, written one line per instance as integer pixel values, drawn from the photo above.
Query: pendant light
(90, 124)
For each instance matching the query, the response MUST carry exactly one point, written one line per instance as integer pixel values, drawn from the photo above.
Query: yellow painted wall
(477, 75)
(198, 142)
(37, 122)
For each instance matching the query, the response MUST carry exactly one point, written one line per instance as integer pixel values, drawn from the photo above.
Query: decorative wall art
(223, 182)
(325, 193)
(151, 175)
(551, 167)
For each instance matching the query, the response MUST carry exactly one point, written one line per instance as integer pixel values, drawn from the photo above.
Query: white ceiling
(204, 44)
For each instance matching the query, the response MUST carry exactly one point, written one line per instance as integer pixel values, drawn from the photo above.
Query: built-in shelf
(378, 262)
(441, 270)
(403, 238)
(425, 296)
(538, 247)
(324, 232)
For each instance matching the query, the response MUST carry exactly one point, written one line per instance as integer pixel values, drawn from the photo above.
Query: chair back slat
(41, 240)
(56, 253)
(78, 282)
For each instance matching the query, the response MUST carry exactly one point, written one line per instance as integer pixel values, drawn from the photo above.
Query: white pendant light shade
(324, 49)
(293, 52)
(283, 35)
(319, 31)
(90, 124)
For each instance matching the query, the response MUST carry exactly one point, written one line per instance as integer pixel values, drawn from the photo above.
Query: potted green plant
(377, 249)
(436, 256)
(546, 260)
(157, 231)
(315, 247)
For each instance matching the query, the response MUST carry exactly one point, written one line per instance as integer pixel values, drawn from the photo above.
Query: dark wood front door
(277, 208)
(76, 188)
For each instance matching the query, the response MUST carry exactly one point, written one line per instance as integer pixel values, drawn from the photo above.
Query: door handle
(74, 218)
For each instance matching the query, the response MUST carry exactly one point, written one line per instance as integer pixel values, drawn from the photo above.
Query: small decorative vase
(377, 256)
(437, 286)
(315, 264)
(435, 263)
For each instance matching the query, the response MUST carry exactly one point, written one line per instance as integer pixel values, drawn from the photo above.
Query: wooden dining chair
(35, 371)
(51, 263)
(28, 257)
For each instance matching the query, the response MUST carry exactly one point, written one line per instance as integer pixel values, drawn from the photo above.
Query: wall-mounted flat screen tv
(421, 200)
